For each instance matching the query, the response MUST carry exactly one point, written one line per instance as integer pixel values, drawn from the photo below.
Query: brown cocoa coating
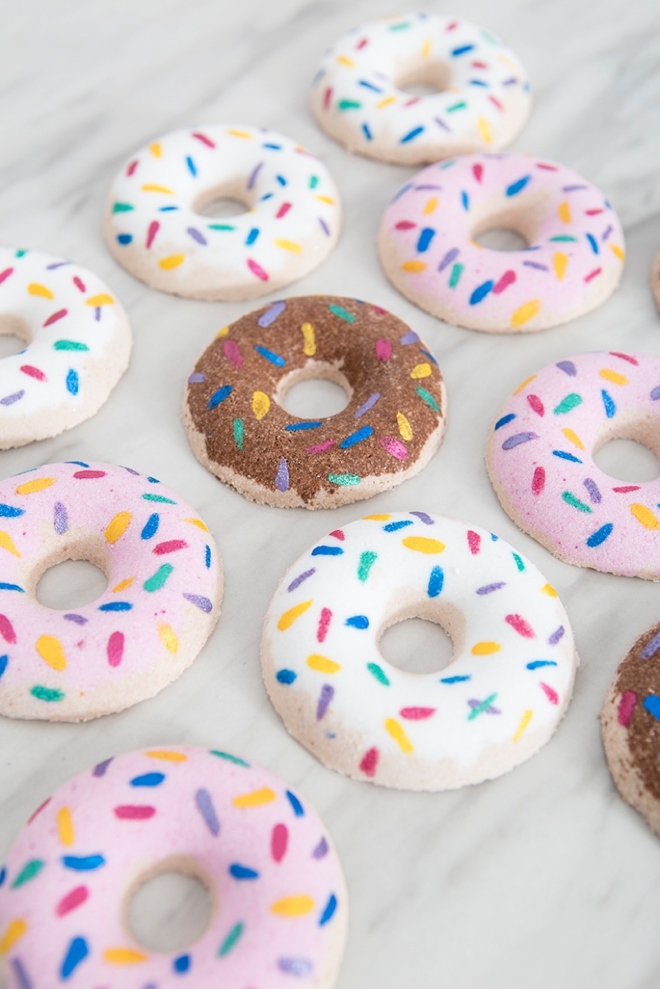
(345, 349)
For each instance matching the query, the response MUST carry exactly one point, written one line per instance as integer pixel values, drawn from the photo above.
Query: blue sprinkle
(608, 402)
(366, 132)
(9, 512)
(369, 85)
(462, 50)
(285, 676)
(124, 238)
(566, 456)
(361, 434)
(429, 355)
(3, 875)
(600, 535)
(518, 186)
(191, 165)
(425, 238)
(503, 421)
(116, 606)
(594, 244)
(402, 191)
(10, 587)
(76, 952)
(411, 135)
(207, 557)
(295, 803)
(297, 426)
(652, 705)
(477, 82)
(167, 209)
(329, 910)
(537, 663)
(182, 963)
(3, 666)
(148, 779)
(270, 356)
(151, 526)
(395, 526)
(454, 679)
(252, 236)
(153, 480)
(281, 179)
(219, 396)
(327, 551)
(481, 292)
(356, 621)
(72, 382)
(79, 463)
(242, 872)
(655, 394)
(465, 199)
(436, 581)
(83, 863)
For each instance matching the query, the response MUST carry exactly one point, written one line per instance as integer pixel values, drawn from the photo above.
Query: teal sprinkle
(220, 226)
(47, 693)
(570, 402)
(153, 497)
(367, 560)
(231, 940)
(456, 106)
(456, 273)
(122, 207)
(379, 673)
(519, 562)
(239, 433)
(158, 580)
(20, 254)
(481, 707)
(400, 27)
(564, 237)
(230, 758)
(447, 164)
(69, 345)
(428, 398)
(313, 181)
(345, 480)
(349, 105)
(342, 313)
(28, 872)
(575, 502)
(491, 39)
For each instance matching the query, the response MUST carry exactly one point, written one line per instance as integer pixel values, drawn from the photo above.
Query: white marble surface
(544, 878)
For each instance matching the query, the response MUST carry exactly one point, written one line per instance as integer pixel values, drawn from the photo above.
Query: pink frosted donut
(279, 900)
(163, 596)
(540, 460)
(572, 264)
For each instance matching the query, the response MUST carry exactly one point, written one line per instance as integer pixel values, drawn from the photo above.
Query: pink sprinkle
(7, 630)
(327, 96)
(626, 708)
(508, 278)
(71, 900)
(479, 65)
(233, 353)
(551, 694)
(412, 102)
(593, 274)
(361, 43)
(393, 446)
(134, 812)
(478, 171)
(369, 762)
(204, 139)
(416, 713)
(324, 624)
(495, 101)
(383, 349)
(89, 475)
(405, 225)
(629, 487)
(39, 809)
(381, 312)
(33, 372)
(625, 357)
(594, 212)
(321, 447)
(5, 274)
(547, 168)
(279, 840)
(79, 283)
(131, 168)
(338, 534)
(115, 648)
(450, 27)
(474, 541)
(521, 626)
(171, 546)
(538, 481)
(257, 270)
(282, 211)
(536, 404)
(56, 315)
(154, 227)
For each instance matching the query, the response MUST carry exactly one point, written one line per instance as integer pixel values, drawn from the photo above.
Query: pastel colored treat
(359, 92)
(279, 902)
(393, 424)
(500, 699)
(155, 226)
(162, 601)
(572, 264)
(539, 458)
(655, 279)
(78, 342)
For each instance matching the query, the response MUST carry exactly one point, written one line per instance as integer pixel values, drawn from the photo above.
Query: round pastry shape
(154, 227)
(630, 724)
(359, 97)
(572, 264)
(539, 458)
(78, 342)
(279, 903)
(393, 424)
(501, 698)
(655, 279)
(163, 596)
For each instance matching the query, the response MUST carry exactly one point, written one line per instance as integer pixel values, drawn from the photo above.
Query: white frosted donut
(279, 902)
(78, 344)
(153, 227)
(501, 698)
(358, 92)
(162, 601)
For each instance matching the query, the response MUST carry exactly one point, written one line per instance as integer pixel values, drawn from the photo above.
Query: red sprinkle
(89, 475)
(474, 541)
(324, 624)
(551, 694)
(626, 489)
(171, 546)
(134, 812)
(538, 481)
(282, 211)
(626, 707)
(369, 762)
(279, 840)
(115, 648)
(536, 404)
(131, 168)
(56, 315)
(478, 171)
(204, 139)
(33, 372)
(7, 630)
(521, 626)
(404, 225)
(154, 227)
(79, 283)
(71, 900)
(417, 713)
(508, 278)
(257, 270)
(625, 357)
(338, 534)
(327, 96)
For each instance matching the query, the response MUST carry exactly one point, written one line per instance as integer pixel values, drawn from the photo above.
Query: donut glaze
(539, 457)
(163, 596)
(359, 98)
(392, 426)
(495, 705)
(573, 262)
(78, 342)
(279, 899)
(153, 227)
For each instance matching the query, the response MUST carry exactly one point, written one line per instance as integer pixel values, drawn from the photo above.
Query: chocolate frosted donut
(390, 429)
(630, 722)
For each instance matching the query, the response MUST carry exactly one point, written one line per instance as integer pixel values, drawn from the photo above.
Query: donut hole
(70, 575)
(171, 907)
(15, 335)
(317, 391)
(509, 227)
(421, 639)
(631, 452)
(501, 239)
(423, 78)
(227, 199)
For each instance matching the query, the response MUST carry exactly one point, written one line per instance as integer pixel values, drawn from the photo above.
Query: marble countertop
(542, 878)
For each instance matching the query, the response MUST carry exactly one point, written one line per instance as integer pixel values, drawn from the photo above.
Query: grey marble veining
(543, 878)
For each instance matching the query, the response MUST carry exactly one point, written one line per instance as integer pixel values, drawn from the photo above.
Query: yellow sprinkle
(167, 754)
(288, 245)
(413, 265)
(399, 735)
(99, 300)
(222, 333)
(50, 650)
(255, 799)
(376, 518)
(616, 379)
(430, 205)
(65, 826)
(404, 426)
(573, 438)
(326, 199)
(289, 617)
(385, 102)
(322, 664)
(485, 648)
(15, 930)
(152, 187)
(507, 61)
(524, 384)
(525, 312)
(549, 590)
(564, 212)
(172, 261)
(118, 526)
(423, 545)
(239, 133)
(168, 637)
(293, 906)
(560, 261)
(618, 251)
(156, 149)
(346, 61)
(123, 584)
(6, 542)
(645, 516)
(484, 129)
(309, 346)
(123, 956)
(198, 523)
(524, 721)
(35, 289)
(426, 48)
(260, 404)
(421, 371)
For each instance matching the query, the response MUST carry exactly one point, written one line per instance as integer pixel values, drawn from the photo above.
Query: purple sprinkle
(97, 314)
(61, 519)
(518, 439)
(556, 636)
(409, 337)
(78, 619)
(294, 966)
(510, 82)
(489, 710)
(369, 404)
(489, 588)
(196, 235)
(534, 264)
(438, 187)
(58, 264)
(23, 981)
(568, 367)
(324, 226)
(101, 768)
(253, 177)
(592, 488)
(423, 517)
(10, 399)
(655, 394)
(448, 258)
(271, 314)
(608, 231)
(196, 377)
(441, 123)
(200, 602)
(572, 188)
(651, 647)
(297, 581)
(321, 849)
(327, 693)
(282, 476)
(207, 810)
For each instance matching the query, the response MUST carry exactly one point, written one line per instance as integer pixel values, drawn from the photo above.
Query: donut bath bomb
(497, 703)
(279, 901)
(393, 424)
(162, 601)
(539, 457)
(77, 345)
(572, 264)
(359, 92)
(156, 228)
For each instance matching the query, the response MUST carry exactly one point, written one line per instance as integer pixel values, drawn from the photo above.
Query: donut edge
(655, 278)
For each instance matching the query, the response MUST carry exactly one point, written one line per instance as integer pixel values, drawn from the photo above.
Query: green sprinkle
(47, 693)
(345, 480)
(447, 164)
(367, 560)
(481, 707)
(568, 403)
(456, 273)
(427, 397)
(20, 254)
(348, 105)
(153, 497)
(28, 872)
(69, 345)
(230, 758)
(239, 433)
(313, 181)
(489, 37)
(519, 562)
(379, 673)
(400, 27)
(456, 106)
(122, 207)
(342, 313)
(563, 237)
(220, 226)
(575, 502)
(231, 939)
(158, 580)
